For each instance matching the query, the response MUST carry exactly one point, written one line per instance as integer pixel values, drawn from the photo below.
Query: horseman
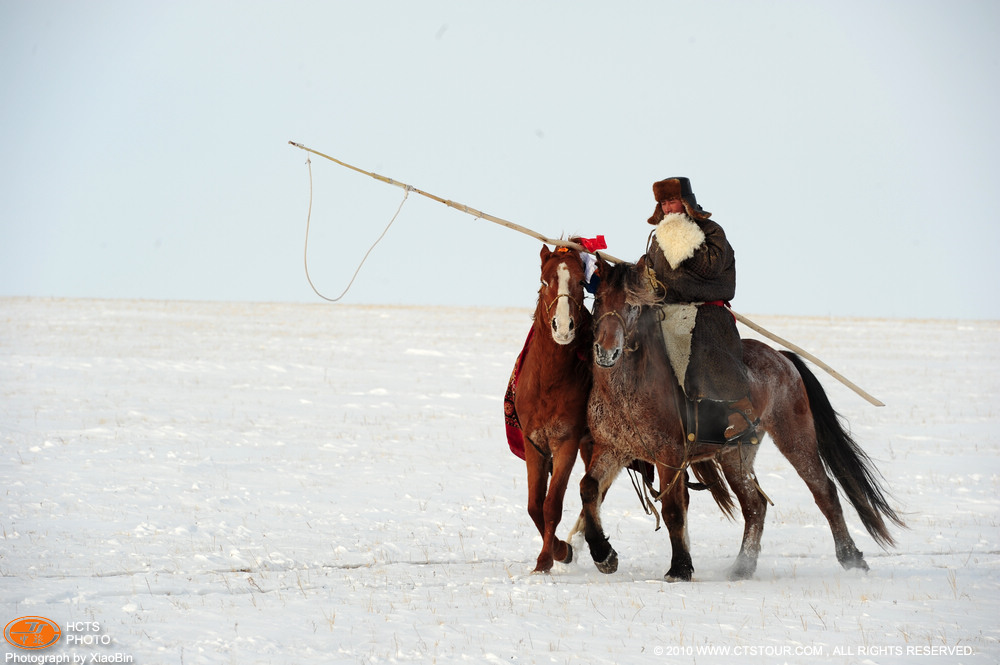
(692, 261)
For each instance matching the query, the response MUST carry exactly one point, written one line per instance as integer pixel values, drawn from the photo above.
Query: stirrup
(748, 435)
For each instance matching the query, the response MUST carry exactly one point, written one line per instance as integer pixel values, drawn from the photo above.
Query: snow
(267, 483)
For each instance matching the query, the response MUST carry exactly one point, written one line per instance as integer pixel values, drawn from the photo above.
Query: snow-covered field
(232, 483)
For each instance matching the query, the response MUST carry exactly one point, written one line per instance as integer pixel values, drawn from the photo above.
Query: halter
(563, 295)
(626, 332)
(563, 250)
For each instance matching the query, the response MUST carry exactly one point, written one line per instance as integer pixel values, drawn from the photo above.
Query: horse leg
(538, 476)
(673, 507)
(737, 466)
(600, 473)
(803, 454)
(586, 451)
(563, 458)
(581, 522)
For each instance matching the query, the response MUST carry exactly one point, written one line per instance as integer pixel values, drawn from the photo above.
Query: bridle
(568, 296)
(626, 332)
(563, 295)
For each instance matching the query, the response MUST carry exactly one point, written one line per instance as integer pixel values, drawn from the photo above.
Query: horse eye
(544, 283)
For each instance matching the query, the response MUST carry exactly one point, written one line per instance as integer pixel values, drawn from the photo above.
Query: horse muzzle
(564, 333)
(606, 357)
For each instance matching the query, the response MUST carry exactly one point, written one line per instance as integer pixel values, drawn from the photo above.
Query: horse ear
(546, 252)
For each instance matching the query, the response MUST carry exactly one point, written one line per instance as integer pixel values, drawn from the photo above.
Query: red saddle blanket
(515, 437)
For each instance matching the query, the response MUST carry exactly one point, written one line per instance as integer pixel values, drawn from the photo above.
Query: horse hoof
(678, 576)
(610, 563)
(569, 554)
(738, 573)
(543, 565)
(855, 563)
(852, 558)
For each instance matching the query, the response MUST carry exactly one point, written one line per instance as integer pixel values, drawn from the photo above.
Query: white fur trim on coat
(677, 322)
(678, 236)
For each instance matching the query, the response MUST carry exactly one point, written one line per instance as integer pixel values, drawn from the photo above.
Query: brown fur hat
(676, 188)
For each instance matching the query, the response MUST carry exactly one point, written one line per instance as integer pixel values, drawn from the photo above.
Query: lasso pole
(464, 208)
(805, 354)
(572, 245)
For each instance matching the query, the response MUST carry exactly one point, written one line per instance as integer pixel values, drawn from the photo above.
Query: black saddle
(705, 421)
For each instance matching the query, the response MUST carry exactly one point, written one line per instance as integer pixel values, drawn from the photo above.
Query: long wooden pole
(572, 245)
(805, 354)
(464, 208)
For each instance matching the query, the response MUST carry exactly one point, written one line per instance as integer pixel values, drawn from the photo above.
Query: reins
(645, 499)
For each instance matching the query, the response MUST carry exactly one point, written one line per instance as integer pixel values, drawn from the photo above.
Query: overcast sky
(851, 150)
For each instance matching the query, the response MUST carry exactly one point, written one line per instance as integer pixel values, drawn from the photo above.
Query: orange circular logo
(32, 633)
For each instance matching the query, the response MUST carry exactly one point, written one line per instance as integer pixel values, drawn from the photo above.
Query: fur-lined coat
(695, 262)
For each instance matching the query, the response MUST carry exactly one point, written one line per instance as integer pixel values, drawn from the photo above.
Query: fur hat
(676, 188)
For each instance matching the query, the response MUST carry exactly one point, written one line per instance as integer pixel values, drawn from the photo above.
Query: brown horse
(634, 413)
(551, 397)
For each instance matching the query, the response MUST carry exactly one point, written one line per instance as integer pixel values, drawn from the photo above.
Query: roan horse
(634, 413)
(551, 398)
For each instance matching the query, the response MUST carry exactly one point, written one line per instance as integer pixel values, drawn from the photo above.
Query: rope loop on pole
(305, 258)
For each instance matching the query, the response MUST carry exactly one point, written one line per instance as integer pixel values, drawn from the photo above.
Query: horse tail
(844, 459)
(707, 473)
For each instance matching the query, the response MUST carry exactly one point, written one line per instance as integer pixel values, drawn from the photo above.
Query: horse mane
(631, 278)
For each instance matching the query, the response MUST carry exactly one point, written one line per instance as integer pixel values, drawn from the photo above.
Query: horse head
(560, 297)
(621, 296)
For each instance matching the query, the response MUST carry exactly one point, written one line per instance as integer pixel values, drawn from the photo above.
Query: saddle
(705, 421)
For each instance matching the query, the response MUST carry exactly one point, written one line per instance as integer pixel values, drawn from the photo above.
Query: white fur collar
(678, 236)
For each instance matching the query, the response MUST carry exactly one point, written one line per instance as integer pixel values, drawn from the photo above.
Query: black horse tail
(844, 459)
(709, 478)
